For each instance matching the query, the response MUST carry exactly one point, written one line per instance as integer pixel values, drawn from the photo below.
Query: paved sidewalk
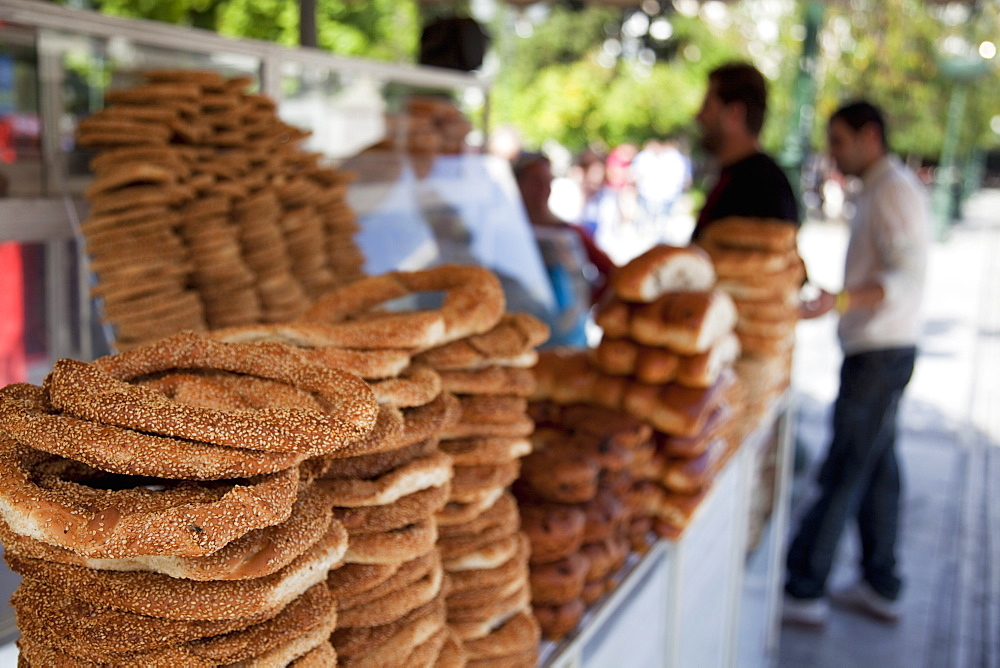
(950, 451)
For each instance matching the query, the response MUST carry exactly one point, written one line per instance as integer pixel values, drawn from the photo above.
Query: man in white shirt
(878, 330)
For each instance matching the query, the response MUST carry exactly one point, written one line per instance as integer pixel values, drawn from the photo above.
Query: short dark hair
(526, 160)
(860, 113)
(742, 82)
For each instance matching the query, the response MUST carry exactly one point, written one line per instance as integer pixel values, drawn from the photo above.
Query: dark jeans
(860, 478)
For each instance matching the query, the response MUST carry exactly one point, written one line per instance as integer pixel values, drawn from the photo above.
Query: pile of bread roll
(573, 493)
(159, 509)
(206, 212)
(484, 550)
(666, 358)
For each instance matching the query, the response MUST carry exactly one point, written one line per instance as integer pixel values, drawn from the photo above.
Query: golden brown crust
(519, 634)
(510, 344)
(394, 546)
(310, 615)
(407, 572)
(433, 470)
(685, 322)
(473, 302)
(96, 628)
(407, 510)
(415, 386)
(560, 581)
(27, 415)
(396, 604)
(256, 554)
(158, 595)
(555, 531)
(45, 498)
(663, 269)
(485, 451)
(557, 621)
(489, 380)
(751, 234)
(351, 414)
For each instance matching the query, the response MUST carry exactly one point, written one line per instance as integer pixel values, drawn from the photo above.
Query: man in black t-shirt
(750, 182)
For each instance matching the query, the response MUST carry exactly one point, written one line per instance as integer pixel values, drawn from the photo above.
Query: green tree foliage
(378, 29)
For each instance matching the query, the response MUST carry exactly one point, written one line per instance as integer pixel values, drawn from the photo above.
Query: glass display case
(418, 203)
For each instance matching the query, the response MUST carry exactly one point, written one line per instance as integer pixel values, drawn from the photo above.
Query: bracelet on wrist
(842, 301)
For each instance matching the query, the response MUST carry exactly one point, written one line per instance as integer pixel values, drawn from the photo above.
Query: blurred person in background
(659, 172)
(879, 324)
(750, 182)
(578, 270)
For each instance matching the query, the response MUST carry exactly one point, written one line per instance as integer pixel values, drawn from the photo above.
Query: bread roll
(686, 322)
(664, 269)
(752, 233)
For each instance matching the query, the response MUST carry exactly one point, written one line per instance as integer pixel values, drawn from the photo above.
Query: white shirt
(890, 235)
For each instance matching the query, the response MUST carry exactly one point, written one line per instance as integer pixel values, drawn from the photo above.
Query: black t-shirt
(755, 187)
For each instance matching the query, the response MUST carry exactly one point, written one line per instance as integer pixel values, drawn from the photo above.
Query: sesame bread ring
(452, 653)
(485, 451)
(512, 603)
(356, 641)
(489, 556)
(397, 648)
(559, 581)
(455, 547)
(258, 553)
(416, 386)
(468, 481)
(377, 464)
(27, 416)
(510, 342)
(459, 512)
(396, 604)
(558, 620)
(483, 627)
(393, 546)
(514, 569)
(102, 515)
(518, 634)
(351, 414)
(433, 470)
(503, 512)
(417, 424)
(473, 302)
(409, 571)
(425, 655)
(606, 515)
(321, 656)
(293, 631)
(407, 510)
(518, 428)
(493, 409)
(486, 594)
(95, 628)
(525, 659)
(489, 380)
(350, 579)
(156, 595)
(555, 531)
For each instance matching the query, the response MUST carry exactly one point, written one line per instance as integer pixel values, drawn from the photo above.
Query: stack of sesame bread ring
(205, 211)
(158, 507)
(484, 552)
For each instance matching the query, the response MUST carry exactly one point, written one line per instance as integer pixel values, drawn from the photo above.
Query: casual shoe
(861, 597)
(807, 612)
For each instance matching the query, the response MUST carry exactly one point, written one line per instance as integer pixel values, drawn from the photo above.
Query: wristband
(842, 302)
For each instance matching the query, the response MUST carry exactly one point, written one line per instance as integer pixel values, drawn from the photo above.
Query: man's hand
(814, 308)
